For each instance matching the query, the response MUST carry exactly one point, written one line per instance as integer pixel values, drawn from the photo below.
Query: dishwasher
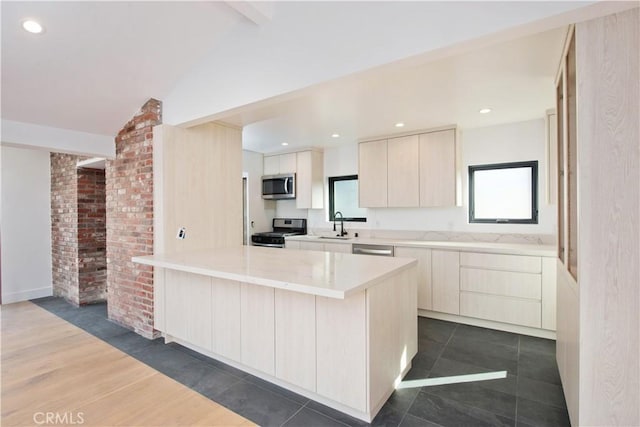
(379, 250)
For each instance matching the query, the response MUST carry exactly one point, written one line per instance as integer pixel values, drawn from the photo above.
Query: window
(343, 197)
(504, 193)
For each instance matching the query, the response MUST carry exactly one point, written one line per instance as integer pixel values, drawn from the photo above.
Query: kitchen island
(338, 328)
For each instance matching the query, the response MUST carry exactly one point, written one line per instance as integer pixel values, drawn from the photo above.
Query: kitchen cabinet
(189, 315)
(257, 328)
(225, 303)
(318, 245)
(344, 248)
(340, 334)
(504, 288)
(438, 169)
(280, 163)
(423, 255)
(418, 170)
(295, 338)
(309, 169)
(445, 276)
(403, 177)
(309, 180)
(372, 174)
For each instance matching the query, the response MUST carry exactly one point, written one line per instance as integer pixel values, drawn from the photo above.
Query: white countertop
(499, 248)
(334, 275)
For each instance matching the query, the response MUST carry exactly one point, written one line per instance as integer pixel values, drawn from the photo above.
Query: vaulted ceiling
(97, 62)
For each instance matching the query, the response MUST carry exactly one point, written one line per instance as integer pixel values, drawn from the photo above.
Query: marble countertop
(486, 247)
(333, 275)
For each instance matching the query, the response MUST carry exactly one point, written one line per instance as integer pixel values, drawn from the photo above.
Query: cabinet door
(188, 311)
(438, 168)
(288, 163)
(295, 317)
(271, 165)
(309, 180)
(424, 273)
(291, 244)
(257, 327)
(341, 340)
(338, 247)
(312, 246)
(403, 177)
(372, 174)
(445, 281)
(225, 298)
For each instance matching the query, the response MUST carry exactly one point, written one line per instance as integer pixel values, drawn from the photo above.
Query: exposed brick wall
(77, 231)
(92, 235)
(130, 222)
(64, 226)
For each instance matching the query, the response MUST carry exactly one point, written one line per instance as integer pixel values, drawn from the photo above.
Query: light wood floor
(51, 366)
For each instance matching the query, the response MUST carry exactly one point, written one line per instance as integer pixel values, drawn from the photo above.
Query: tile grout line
(428, 375)
(293, 415)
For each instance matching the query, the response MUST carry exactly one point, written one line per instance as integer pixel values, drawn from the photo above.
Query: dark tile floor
(531, 395)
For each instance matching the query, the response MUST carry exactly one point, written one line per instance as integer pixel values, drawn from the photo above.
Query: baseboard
(516, 329)
(10, 297)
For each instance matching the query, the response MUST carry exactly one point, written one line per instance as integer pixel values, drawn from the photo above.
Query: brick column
(64, 226)
(129, 180)
(77, 231)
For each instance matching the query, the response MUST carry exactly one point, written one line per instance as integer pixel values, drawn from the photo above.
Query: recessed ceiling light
(399, 124)
(284, 143)
(335, 135)
(484, 110)
(32, 26)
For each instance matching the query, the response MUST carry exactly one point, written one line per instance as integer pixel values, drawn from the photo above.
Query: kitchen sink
(335, 237)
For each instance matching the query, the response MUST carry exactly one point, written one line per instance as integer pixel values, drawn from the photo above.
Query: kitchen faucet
(342, 232)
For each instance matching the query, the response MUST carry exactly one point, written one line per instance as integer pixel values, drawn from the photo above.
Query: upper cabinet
(282, 163)
(309, 169)
(309, 180)
(438, 168)
(372, 174)
(409, 171)
(403, 176)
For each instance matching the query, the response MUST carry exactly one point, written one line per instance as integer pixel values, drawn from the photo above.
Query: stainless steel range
(282, 227)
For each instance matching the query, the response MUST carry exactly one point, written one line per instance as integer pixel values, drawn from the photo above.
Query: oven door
(267, 241)
(276, 187)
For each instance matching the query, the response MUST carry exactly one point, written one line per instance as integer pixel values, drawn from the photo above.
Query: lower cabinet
(445, 281)
(295, 347)
(501, 287)
(310, 245)
(507, 288)
(423, 255)
(225, 301)
(341, 333)
(189, 314)
(257, 327)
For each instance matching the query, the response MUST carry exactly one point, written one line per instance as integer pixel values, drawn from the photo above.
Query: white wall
(25, 215)
(261, 211)
(28, 135)
(495, 144)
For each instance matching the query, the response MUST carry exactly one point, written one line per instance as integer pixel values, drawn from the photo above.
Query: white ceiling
(515, 79)
(98, 62)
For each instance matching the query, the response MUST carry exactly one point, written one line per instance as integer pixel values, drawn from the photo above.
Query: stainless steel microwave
(277, 187)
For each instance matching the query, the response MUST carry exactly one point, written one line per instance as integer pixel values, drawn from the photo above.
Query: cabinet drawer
(507, 283)
(524, 264)
(517, 311)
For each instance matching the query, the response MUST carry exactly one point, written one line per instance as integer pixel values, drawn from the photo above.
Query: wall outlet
(182, 233)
